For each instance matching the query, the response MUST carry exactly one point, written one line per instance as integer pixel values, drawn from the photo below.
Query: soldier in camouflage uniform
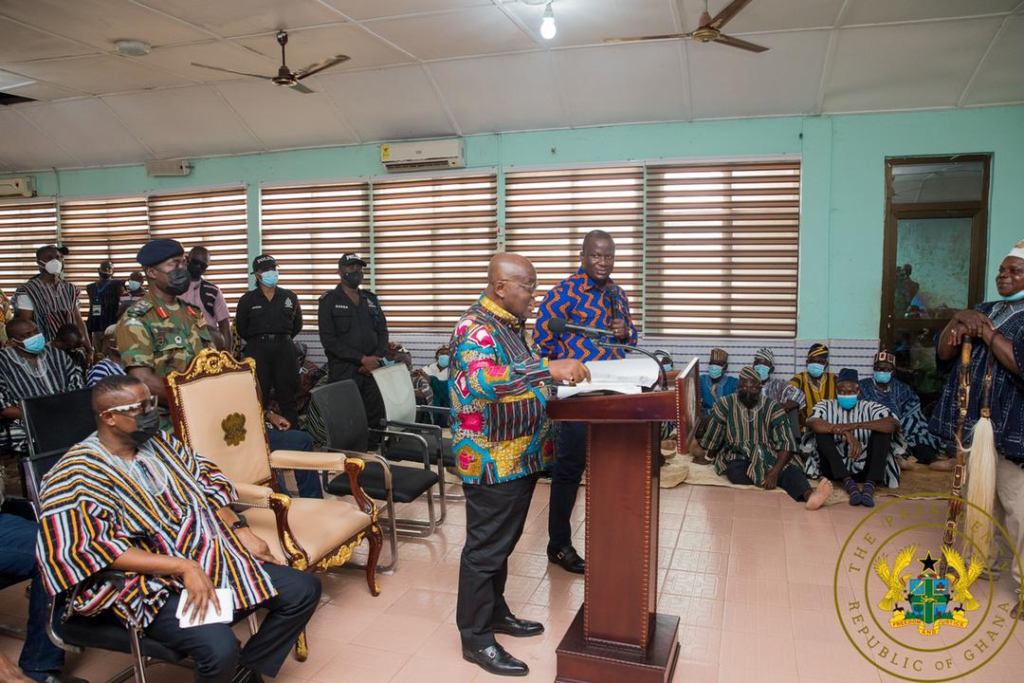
(160, 333)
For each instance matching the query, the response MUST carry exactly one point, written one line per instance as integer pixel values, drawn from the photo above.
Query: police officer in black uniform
(267, 318)
(354, 334)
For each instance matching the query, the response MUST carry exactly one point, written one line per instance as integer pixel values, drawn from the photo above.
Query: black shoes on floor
(568, 559)
(495, 660)
(518, 628)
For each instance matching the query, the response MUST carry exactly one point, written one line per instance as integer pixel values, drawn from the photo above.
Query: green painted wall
(843, 195)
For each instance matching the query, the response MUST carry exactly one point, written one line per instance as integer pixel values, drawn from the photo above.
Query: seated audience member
(853, 441)
(29, 367)
(714, 384)
(309, 374)
(111, 363)
(815, 383)
(69, 340)
(750, 441)
(134, 289)
(792, 399)
(438, 374)
(281, 437)
(134, 499)
(905, 406)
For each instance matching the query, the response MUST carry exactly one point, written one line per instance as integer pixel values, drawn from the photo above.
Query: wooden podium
(618, 636)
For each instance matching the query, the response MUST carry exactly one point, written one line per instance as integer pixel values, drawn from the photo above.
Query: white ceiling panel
(589, 22)
(283, 118)
(767, 15)
(239, 17)
(19, 43)
(725, 81)
(388, 104)
(881, 11)
(510, 92)
(1001, 78)
(100, 22)
(184, 122)
(87, 129)
(371, 9)
(98, 74)
(309, 46)
(605, 86)
(474, 31)
(24, 148)
(906, 66)
(223, 54)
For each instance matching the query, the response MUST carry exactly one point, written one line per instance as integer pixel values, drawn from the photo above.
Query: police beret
(158, 251)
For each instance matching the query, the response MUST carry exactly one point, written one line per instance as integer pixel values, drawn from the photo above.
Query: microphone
(615, 304)
(560, 325)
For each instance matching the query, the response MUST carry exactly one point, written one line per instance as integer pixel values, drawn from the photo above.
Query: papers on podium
(627, 376)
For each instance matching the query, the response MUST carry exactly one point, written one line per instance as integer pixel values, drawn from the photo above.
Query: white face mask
(53, 266)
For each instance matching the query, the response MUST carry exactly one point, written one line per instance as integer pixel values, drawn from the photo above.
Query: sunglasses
(146, 406)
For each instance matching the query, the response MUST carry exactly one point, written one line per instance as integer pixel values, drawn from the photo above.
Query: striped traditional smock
(755, 434)
(814, 390)
(96, 505)
(864, 411)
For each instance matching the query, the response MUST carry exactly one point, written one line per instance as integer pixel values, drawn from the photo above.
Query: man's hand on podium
(569, 370)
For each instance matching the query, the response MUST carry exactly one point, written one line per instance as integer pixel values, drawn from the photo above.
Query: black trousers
(215, 649)
(495, 517)
(277, 368)
(792, 480)
(570, 463)
(833, 467)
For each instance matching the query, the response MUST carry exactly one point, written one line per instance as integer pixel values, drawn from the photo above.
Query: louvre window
(24, 227)
(433, 239)
(547, 214)
(722, 248)
(307, 229)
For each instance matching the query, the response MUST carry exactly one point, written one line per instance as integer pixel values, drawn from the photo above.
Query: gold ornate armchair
(216, 410)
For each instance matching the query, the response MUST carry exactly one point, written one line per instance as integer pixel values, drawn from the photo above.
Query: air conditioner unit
(17, 187)
(168, 167)
(399, 157)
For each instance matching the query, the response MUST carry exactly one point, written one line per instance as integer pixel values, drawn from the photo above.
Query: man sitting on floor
(137, 500)
(853, 441)
(792, 399)
(750, 440)
(815, 383)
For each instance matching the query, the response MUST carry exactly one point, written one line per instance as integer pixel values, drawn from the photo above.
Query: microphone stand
(635, 349)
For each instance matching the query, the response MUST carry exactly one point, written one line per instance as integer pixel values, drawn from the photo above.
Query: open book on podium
(626, 376)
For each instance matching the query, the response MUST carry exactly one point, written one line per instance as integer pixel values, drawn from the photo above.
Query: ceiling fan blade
(298, 87)
(741, 44)
(637, 39)
(320, 66)
(723, 17)
(230, 71)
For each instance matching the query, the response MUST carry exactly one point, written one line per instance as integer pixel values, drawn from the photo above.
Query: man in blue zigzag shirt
(589, 298)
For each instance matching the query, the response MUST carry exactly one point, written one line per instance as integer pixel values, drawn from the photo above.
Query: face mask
(883, 377)
(847, 401)
(34, 344)
(667, 366)
(1015, 297)
(146, 426)
(748, 398)
(178, 281)
(269, 278)
(762, 371)
(715, 371)
(353, 279)
(385, 362)
(53, 266)
(196, 269)
(443, 360)
(133, 285)
(815, 370)
(104, 275)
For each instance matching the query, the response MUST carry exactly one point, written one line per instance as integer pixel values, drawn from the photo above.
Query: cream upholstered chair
(216, 410)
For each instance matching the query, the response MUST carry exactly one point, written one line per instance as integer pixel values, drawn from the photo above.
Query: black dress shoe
(568, 559)
(495, 660)
(518, 628)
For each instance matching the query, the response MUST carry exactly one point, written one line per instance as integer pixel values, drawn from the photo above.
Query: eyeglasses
(146, 406)
(531, 288)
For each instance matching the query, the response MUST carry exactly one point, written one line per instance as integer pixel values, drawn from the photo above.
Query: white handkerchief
(227, 610)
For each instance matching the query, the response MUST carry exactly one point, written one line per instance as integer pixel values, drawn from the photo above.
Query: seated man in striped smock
(749, 440)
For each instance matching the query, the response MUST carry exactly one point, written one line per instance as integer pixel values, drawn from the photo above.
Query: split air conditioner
(399, 157)
(17, 187)
(168, 167)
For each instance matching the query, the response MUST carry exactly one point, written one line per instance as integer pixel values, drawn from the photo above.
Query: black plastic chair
(341, 408)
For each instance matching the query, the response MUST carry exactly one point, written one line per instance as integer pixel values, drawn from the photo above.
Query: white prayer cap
(1018, 250)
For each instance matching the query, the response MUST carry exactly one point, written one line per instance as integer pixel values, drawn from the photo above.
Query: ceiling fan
(708, 31)
(286, 76)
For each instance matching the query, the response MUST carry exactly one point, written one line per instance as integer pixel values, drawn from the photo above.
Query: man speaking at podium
(591, 299)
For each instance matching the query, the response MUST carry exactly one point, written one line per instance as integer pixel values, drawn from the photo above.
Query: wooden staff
(963, 400)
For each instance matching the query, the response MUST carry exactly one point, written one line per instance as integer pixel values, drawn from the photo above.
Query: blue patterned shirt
(580, 301)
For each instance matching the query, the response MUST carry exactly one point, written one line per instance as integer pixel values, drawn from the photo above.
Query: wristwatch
(241, 523)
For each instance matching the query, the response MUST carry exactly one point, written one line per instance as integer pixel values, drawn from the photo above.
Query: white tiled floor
(749, 573)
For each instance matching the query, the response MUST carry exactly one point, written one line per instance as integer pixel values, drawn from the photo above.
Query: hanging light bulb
(547, 25)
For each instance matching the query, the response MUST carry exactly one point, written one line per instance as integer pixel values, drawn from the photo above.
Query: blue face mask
(34, 344)
(1015, 297)
(815, 370)
(133, 285)
(443, 360)
(667, 366)
(715, 371)
(883, 377)
(385, 362)
(763, 371)
(847, 401)
(269, 278)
